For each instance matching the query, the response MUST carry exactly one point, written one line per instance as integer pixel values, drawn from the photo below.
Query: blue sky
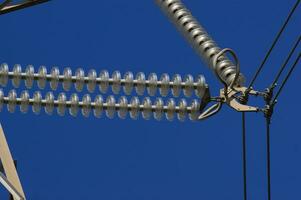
(78, 158)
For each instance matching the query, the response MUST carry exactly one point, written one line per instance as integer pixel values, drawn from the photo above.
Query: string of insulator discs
(199, 38)
(110, 106)
(128, 82)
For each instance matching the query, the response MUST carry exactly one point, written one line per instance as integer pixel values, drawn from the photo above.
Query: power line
(286, 78)
(268, 145)
(286, 61)
(244, 154)
(274, 44)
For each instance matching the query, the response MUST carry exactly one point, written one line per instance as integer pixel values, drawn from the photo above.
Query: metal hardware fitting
(231, 95)
(233, 101)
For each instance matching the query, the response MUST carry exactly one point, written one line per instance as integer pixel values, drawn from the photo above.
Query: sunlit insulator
(200, 89)
(17, 75)
(92, 76)
(1, 100)
(29, 71)
(199, 39)
(111, 109)
(37, 103)
(12, 101)
(195, 109)
(80, 79)
(129, 83)
(147, 108)
(152, 84)
(61, 108)
(159, 109)
(74, 105)
(164, 89)
(98, 106)
(49, 105)
(171, 110)
(140, 87)
(42, 77)
(104, 81)
(54, 81)
(135, 108)
(177, 85)
(188, 90)
(86, 109)
(67, 82)
(4, 74)
(123, 107)
(116, 76)
(24, 102)
(182, 110)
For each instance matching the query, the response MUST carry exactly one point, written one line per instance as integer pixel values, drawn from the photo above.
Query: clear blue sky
(76, 158)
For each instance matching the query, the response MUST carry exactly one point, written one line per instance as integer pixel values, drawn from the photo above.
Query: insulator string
(128, 82)
(110, 106)
(197, 36)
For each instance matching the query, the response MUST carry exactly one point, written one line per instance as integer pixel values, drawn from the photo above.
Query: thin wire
(268, 157)
(274, 44)
(244, 154)
(286, 61)
(286, 78)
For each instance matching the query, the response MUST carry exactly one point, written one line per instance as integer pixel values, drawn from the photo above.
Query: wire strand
(268, 145)
(274, 44)
(286, 78)
(244, 154)
(286, 61)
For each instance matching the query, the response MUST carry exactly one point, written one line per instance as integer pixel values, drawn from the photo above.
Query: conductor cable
(274, 43)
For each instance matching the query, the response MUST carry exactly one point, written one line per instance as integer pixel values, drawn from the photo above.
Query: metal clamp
(231, 99)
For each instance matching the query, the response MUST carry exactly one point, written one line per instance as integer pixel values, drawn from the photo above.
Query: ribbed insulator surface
(128, 82)
(199, 39)
(110, 106)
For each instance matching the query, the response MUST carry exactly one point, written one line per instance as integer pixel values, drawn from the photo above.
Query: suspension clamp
(231, 97)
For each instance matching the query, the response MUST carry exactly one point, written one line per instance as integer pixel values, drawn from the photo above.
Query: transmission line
(286, 62)
(274, 43)
(268, 145)
(244, 154)
(286, 78)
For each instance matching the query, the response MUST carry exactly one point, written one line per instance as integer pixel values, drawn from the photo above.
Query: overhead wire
(268, 146)
(244, 154)
(287, 78)
(274, 44)
(268, 123)
(291, 53)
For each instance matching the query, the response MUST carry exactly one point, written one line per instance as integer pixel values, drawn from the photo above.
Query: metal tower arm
(9, 6)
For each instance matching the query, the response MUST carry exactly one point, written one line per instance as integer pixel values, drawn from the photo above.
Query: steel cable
(286, 62)
(244, 154)
(274, 44)
(268, 146)
(286, 78)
